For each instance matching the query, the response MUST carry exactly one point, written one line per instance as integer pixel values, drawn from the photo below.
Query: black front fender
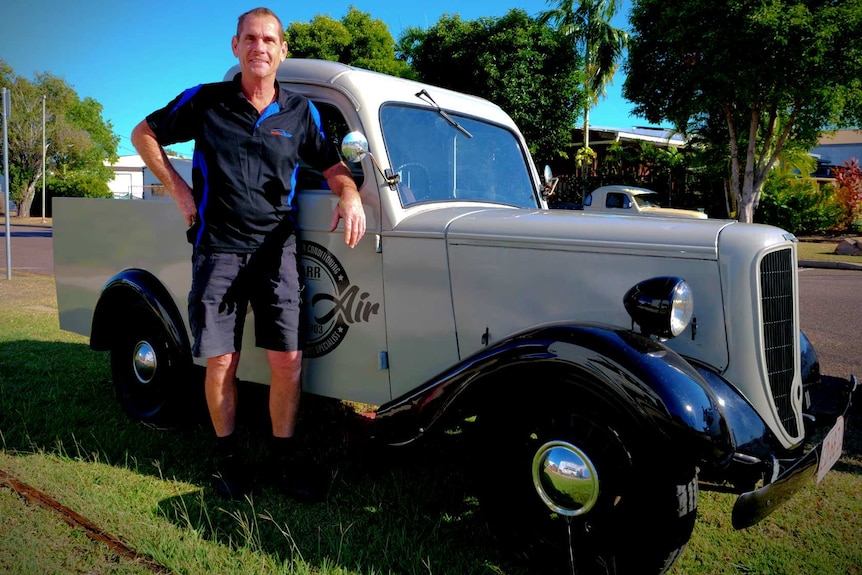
(654, 385)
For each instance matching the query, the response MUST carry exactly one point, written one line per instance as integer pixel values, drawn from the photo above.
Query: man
(249, 135)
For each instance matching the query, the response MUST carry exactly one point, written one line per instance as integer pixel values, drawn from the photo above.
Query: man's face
(259, 47)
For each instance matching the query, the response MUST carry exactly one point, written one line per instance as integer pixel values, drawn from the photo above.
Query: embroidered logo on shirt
(280, 132)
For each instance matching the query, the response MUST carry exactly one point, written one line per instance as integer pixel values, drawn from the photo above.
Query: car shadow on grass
(407, 510)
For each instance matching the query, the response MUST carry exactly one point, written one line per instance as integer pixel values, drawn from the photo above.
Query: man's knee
(285, 362)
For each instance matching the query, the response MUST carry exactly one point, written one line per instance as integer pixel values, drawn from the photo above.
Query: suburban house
(133, 180)
(603, 137)
(834, 149)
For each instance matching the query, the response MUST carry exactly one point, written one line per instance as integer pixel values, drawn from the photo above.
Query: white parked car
(634, 201)
(646, 353)
(627, 201)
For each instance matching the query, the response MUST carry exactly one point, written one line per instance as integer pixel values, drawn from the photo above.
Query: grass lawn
(411, 512)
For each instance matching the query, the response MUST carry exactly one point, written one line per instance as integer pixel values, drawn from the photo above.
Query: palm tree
(600, 45)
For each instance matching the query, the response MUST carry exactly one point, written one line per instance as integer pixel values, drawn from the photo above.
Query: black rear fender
(135, 285)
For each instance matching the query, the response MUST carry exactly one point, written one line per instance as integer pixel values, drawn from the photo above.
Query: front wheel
(573, 490)
(147, 367)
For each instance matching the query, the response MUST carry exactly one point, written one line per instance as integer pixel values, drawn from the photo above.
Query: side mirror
(550, 182)
(354, 146)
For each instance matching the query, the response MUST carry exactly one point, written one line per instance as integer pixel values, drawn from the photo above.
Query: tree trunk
(27, 198)
(585, 174)
(734, 159)
(749, 192)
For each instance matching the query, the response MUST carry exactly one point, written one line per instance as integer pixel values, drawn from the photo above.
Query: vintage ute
(606, 366)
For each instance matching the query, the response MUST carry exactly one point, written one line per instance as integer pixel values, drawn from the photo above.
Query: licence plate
(832, 447)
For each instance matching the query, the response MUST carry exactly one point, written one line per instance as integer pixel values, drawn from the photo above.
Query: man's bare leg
(221, 392)
(294, 476)
(230, 479)
(284, 391)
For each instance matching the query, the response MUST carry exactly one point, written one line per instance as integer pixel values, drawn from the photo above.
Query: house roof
(841, 137)
(660, 136)
(135, 162)
(130, 162)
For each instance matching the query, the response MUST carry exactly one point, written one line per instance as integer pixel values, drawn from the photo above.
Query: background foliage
(78, 140)
(525, 67)
(357, 39)
(688, 64)
(693, 63)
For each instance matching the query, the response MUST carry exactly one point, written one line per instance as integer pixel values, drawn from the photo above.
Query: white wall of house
(133, 180)
(128, 181)
(152, 185)
(836, 148)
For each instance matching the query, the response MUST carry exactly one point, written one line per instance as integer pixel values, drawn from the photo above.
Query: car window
(334, 128)
(614, 200)
(438, 162)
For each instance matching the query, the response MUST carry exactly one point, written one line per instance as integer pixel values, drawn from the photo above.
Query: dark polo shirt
(244, 165)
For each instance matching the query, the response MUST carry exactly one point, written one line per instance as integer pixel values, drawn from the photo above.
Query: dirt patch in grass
(27, 291)
(36, 222)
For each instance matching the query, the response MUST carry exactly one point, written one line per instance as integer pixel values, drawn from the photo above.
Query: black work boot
(297, 477)
(230, 479)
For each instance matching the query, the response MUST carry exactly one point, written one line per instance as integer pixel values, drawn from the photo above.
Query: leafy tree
(776, 73)
(356, 39)
(525, 67)
(599, 45)
(78, 140)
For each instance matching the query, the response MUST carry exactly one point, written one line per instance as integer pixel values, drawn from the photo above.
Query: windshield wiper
(424, 94)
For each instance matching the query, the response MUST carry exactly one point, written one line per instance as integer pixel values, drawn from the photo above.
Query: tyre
(568, 487)
(147, 366)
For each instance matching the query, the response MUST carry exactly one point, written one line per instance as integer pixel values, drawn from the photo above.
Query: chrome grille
(779, 331)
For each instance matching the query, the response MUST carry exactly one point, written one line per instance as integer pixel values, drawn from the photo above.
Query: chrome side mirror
(354, 146)
(550, 182)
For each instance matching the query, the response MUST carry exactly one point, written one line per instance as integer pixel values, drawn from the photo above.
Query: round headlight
(661, 306)
(681, 308)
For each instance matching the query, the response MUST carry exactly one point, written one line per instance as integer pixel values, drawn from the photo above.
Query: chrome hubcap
(144, 362)
(565, 478)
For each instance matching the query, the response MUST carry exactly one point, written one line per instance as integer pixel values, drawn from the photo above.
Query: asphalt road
(830, 313)
(32, 247)
(830, 299)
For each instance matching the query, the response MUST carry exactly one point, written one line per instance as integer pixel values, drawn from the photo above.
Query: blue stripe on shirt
(199, 162)
(185, 97)
(270, 110)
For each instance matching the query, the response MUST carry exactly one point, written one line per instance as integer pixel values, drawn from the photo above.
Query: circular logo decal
(325, 282)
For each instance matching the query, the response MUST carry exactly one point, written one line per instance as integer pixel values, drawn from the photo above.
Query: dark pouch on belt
(192, 232)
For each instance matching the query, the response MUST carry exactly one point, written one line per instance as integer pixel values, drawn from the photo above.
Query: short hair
(261, 11)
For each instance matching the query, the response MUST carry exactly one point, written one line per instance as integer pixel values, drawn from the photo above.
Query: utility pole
(7, 179)
(44, 149)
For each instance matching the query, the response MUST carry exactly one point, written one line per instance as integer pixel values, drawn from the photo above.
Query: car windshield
(646, 200)
(438, 160)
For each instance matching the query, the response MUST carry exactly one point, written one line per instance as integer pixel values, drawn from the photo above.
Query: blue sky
(133, 56)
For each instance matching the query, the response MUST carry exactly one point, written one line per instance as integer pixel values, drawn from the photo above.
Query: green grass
(824, 251)
(62, 432)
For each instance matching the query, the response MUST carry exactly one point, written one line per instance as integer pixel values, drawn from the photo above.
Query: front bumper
(791, 476)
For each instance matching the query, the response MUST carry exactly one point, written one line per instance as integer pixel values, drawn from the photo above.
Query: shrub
(798, 205)
(848, 194)
(79, 185)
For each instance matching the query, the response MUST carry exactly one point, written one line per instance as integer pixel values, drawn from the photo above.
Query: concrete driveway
(32, 247)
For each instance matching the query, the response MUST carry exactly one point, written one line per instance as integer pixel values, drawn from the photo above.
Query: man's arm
(349, 206)
(154, 156)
